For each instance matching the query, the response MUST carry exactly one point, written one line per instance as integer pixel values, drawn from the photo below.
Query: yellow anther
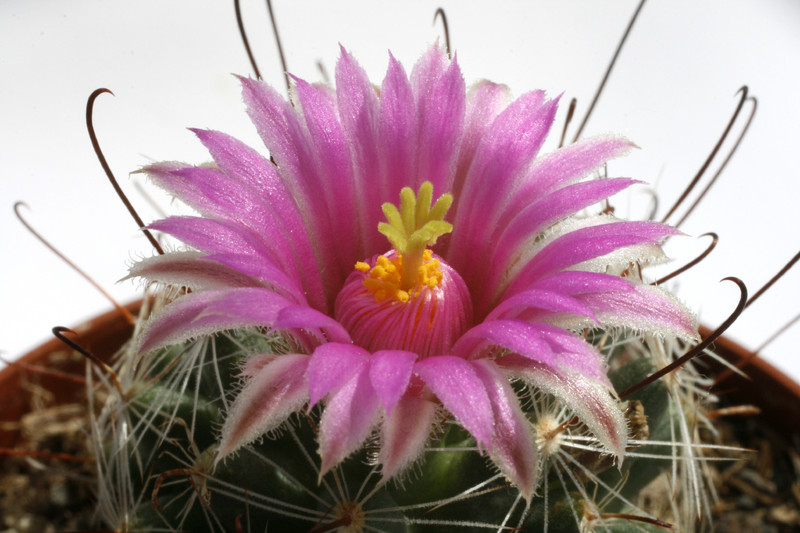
(383, 280)
(361, 266)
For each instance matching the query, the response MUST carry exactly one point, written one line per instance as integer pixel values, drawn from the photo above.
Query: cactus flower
(418, 255)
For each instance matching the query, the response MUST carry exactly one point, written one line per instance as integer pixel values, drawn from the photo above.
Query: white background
(169, 64)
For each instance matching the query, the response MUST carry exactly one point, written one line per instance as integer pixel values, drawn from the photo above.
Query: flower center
(384, 280)
(408, 298)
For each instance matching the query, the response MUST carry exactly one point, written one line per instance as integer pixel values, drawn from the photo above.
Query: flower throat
(407, 298)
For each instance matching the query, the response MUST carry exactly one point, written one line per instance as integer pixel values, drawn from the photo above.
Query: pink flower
(486, 284)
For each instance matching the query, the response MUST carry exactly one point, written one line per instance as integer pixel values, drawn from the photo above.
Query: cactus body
(175, 410)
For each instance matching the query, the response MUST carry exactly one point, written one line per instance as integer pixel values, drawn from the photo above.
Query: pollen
(384, 280)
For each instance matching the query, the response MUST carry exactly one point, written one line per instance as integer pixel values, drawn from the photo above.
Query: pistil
(414, 227)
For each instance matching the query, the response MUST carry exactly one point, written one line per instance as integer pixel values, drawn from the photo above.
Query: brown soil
(761, 493)
(49, 488)
(46, 469)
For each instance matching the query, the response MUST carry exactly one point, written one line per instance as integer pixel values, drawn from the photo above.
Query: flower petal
(590, 400)
(428, 69)
(332, 365)
(264, 270)
(390, 372)
(440, 112)
(584, 244)
(564, 166)
(273, 393)
(513, 445)
(359, 110)
(573, 353)
(307, 318)
(576, 282)
(206, 312)
(190, 269)
(334, 186)
(548, 302)
(509, 145)
(350, 414)
(540, 342)
(514, 335)
(299, 176)
(455, 382)
(213, 236)
(523, 230)
(485, 100)
(242, 162)
(164, 175)
(643, 308)
(404, 434)
(397, 131)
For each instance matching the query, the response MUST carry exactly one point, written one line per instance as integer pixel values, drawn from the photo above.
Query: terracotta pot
(63, 369)
(775, 393)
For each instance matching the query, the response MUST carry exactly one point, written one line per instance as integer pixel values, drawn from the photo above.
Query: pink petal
(273, 393)
(514, 335)
(254, 363)
(242, 162)
(334, 185)
(564, 166)
(278, 126)
(428, 69)
(404, 434)
(162, 175)
(235, 201)
(513, 445)
(538, 342)
(207, 312)
(390, 373)
(307, 318)
(533, 219)
(397, 132)
(440, 112)
(264, 270)
(233, 245)
(190, 269)
(572, 352)
(359, 109)
(536, 299)
(216, 194)
(643, 308)
(213, 236)
(301, 176)
(584, 244)
(332, 366)
(350, 414)
(485, 100)
(590, 400)
(455, 382)
(509, 145)
(575, 282)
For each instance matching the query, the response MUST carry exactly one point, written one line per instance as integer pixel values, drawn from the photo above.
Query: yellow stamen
(383, 280)
(414, 227)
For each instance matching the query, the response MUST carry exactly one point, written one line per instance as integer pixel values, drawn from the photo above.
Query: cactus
(158, 438)
(276, 386)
